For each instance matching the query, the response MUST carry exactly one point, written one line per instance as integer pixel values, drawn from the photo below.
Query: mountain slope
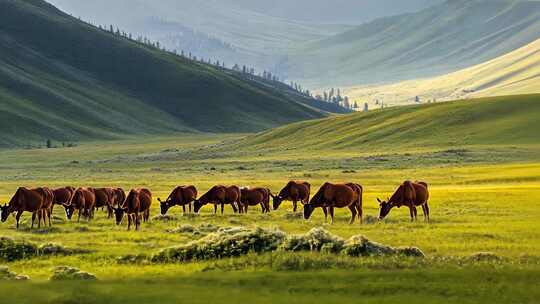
(66, 80)
(440, 39)
(500, 120)
(517, 72)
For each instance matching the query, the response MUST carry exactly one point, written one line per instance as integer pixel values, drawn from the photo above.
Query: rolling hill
(66, 80)
(505, 120)
(440, 39)
(517, 72)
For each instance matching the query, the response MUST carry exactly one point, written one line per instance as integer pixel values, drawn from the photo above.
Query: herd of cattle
(136, 204)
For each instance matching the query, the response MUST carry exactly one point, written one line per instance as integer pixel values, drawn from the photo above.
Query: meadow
(483, 199)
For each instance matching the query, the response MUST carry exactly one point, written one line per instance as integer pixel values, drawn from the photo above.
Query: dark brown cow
(180, 196)
(63, 195)
(332, 196)
(137, 204)
(27, 200)
(294, 191)
(254, 197)
(105, 198)
(84, 202)
(410, 194)
(219, 195)
(119, 196)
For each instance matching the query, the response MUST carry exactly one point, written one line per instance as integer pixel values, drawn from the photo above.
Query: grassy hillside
(66, 80)
(440, 39)
(500, 120)
(517, 72)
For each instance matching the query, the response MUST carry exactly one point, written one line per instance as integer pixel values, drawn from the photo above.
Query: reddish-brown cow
(84, 202)
(254, 197)
(295, 191)
(219, 195)
(27, 200)
(410, 194)
(332, 196)
(137, 203)
(180, 196)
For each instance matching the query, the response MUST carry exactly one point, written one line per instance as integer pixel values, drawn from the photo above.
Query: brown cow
(332, 196)
(180, 196)
(105, 198)
(254, 197)
(219, 195)
(407, 194)
(63, 195)
(294, 191)
(137, 203)
(27, 200)
(84, 202)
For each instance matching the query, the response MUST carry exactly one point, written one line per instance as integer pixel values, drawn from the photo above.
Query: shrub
(410, 251)
(131, 259)
(63, 273)
(316, 239)
(226, 242)
(11, 250)
(164, 218)
(358, 245)
(6, 274)
(483, 257)
(58, 249)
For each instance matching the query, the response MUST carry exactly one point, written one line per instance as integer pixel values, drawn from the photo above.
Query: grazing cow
(219, 195)
(254, 197)
(180, 196)
(118, 199)
(105, 198)
(84, 202)
(137, 203)
(293, 191)
(332, 196)
(410, 194)
(27, 200)
(63, 195)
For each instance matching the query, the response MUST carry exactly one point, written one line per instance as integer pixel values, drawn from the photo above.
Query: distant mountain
(437, 40)
(66, 80)
(517, 72)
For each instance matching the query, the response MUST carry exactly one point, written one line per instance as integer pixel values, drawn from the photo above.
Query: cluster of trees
(334, 96)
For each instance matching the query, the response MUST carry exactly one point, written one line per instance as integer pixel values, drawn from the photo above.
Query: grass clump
(6, 274)
(164, 218)
(226, 242)
(317, 239)
(132, 259)
(486, 257)
(65, 273)
(59, 249)
(359, 245)
(11, 250)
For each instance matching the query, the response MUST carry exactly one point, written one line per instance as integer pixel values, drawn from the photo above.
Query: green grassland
(484, 198)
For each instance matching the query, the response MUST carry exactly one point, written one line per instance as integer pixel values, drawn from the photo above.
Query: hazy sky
(326, 11)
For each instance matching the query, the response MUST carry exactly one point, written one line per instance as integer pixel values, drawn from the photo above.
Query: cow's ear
(379, 200)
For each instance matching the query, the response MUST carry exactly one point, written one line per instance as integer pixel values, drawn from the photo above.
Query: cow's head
(4, 212)
(385, 208)
(197, 205)
(70, 209)
(119, 214)
(308, 210)
(276, 201)
(164, 206)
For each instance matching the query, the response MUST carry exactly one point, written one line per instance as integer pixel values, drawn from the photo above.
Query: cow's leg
(189, 207)
(18, 217)
(360, 211)
(33, 219)
(353, 213)
(331, 214)
(235, 209)
(79, 215)
(426, 206)
(411, 211)
(129, 222)
(184, 208)
(137, 221)
(294, 204)
(223, 208)
(215, 208)
(415, 213)
(49, 213)
(325, 211)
